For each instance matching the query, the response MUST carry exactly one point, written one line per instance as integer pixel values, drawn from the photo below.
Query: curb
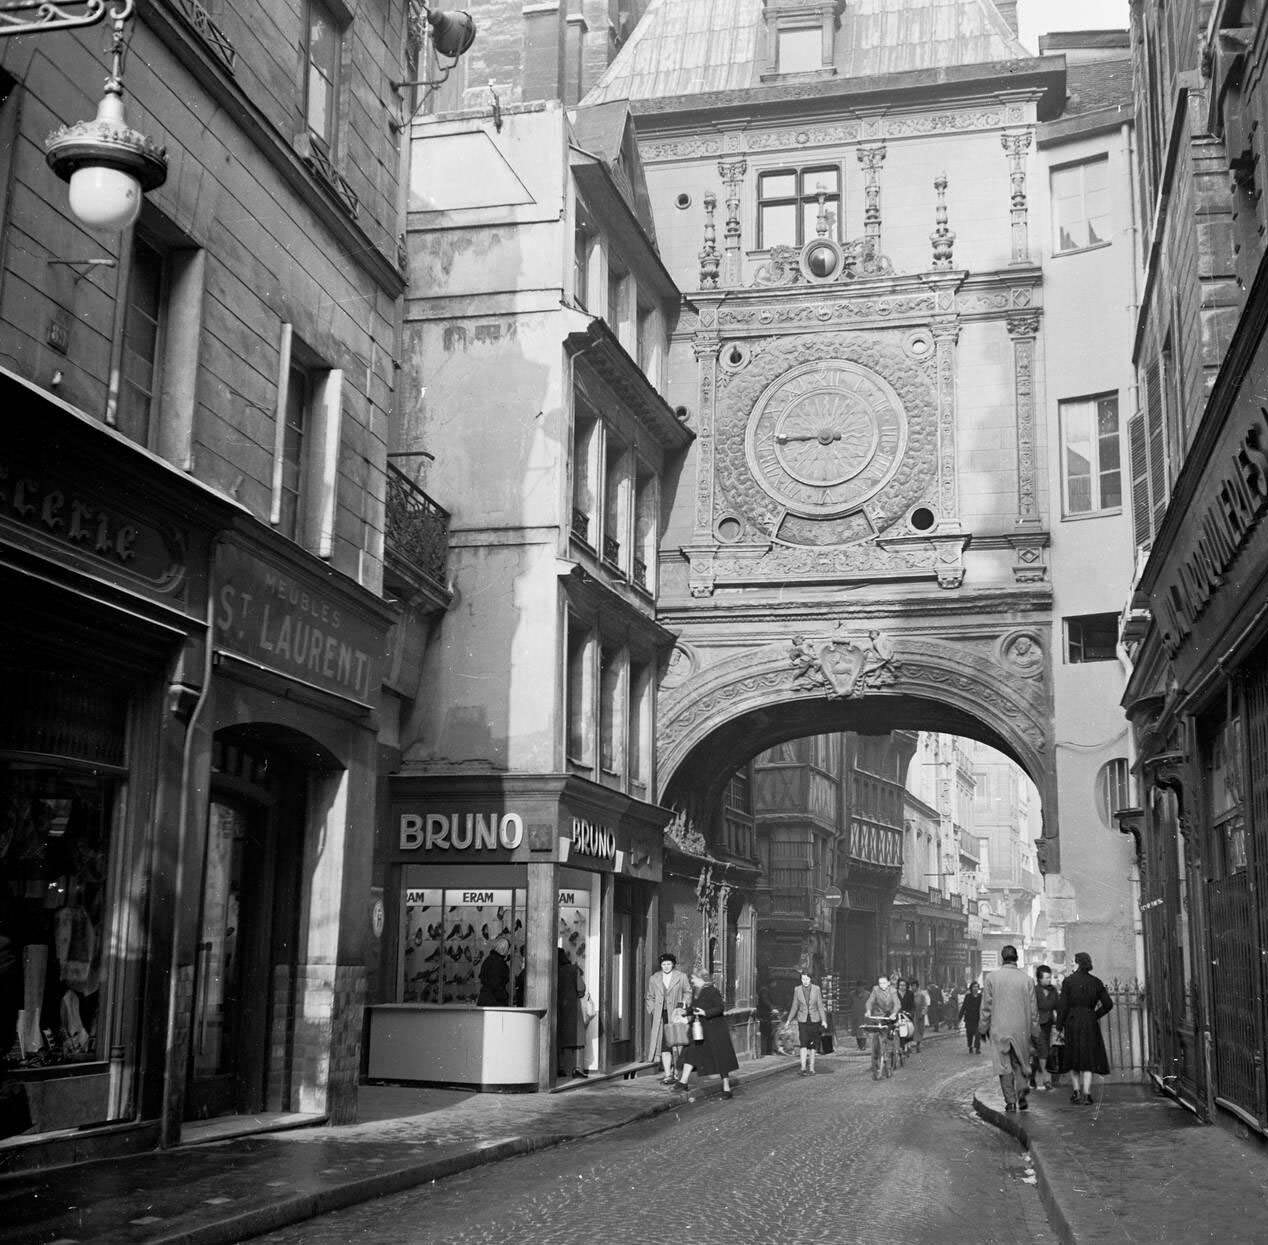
(297, 1208)
(1012, 1125)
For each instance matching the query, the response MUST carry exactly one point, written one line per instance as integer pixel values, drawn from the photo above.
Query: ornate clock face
(825, 437)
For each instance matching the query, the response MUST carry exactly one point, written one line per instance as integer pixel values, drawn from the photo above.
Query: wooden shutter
(1138, 450)
(1156, 431)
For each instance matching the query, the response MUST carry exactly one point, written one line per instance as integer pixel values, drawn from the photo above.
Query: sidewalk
(225, 1191)
(1136, 1166)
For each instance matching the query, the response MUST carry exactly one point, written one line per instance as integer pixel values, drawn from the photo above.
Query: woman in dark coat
(495, 975)
(569, 987)
(713, 1053)
(971, 1012)
(1084, 1000)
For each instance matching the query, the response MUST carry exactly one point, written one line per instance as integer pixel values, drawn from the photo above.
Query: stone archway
(714, 715)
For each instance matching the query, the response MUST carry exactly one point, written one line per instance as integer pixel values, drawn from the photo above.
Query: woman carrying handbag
(710, 1050)
(810, 1015)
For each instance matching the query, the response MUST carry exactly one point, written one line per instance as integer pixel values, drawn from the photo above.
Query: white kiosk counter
(486, 1048)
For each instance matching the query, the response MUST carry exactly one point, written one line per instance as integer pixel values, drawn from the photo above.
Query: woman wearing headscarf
(1084, 1000)
(711, 1053)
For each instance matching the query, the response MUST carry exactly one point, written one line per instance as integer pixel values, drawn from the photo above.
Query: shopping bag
(827, 1043)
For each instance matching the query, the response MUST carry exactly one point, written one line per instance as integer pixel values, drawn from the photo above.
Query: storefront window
(446, 935)
(1227, 812)
(54, 849)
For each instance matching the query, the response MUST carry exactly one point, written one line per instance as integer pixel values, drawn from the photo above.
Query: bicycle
(886, 1055)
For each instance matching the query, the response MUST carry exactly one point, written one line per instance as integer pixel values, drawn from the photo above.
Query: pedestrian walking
(1010, 1019)
(667, 1000)
(920, 1016)
(570, 985)
(906, 1003)
(971, 1012)
(951, 1008)
(1084, 1000)
(1046, 1000)
(808, 1012)
(710, 1052)
(858, 1014)
(766, 1016)
(935, 1006)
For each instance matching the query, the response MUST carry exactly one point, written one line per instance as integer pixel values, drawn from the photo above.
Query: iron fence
(1126, 1031)
(417, 534)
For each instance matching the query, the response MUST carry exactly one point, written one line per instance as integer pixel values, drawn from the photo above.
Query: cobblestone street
(835, 1158)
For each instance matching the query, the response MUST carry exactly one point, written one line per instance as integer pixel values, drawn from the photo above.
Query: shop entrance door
(246, 935)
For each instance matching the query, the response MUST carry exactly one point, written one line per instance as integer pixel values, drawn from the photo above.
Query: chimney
(1008, 11)
(545, 49)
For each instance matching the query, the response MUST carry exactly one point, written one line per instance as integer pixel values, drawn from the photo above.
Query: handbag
(827, 1043)
(676, 1033)
(589, 1008)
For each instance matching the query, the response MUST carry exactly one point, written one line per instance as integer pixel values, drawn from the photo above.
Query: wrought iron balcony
(417, 532)
(612, 550)
(581, 525)
(640, 572)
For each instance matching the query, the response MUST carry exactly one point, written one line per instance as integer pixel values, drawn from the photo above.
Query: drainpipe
(173, 1078)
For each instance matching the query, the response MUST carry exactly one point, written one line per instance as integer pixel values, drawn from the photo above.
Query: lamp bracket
(25, 17)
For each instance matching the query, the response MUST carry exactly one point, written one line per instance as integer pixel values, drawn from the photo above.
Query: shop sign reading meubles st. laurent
(1218, 525)
(294, 626)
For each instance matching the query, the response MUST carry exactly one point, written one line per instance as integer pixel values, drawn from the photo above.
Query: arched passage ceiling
(717, 718)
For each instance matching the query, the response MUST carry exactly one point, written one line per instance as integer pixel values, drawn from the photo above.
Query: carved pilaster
(946, 337)
(705, 347)
(871, 157)
(1030, 558)
(710, 260)
(732, 174)
(1016, 144)
(1023, 329)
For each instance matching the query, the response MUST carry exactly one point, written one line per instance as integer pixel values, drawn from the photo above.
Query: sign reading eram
(460, 832)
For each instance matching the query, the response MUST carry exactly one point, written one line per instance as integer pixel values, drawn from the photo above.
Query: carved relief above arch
(840, 680)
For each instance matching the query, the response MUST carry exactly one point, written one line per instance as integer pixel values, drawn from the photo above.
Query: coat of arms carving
(843, 666)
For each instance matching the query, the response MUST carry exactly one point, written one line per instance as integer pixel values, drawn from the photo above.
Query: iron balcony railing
(581, 525)
(417, 529)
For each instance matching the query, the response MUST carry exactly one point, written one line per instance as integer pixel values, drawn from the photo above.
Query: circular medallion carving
(826, 437)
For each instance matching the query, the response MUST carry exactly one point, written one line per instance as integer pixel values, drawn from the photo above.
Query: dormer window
(800, 36)
(800, 50)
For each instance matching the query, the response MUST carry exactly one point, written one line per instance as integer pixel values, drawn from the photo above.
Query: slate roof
(1094, 85)
(695, 47)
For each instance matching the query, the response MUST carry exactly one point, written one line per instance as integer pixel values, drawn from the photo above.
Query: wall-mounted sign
(589, 839)
(294, 626)
(460, 832)
(1217, 527)
(574, 899)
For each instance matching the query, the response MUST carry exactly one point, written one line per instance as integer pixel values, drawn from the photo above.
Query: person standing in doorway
(971, 1012)
(1084, 1000)
(766, 1016)
(808, 1011)
(1010, 1018)
(668, 999)
(570, 985)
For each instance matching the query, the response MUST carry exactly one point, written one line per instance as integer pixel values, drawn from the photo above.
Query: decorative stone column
(710, 261)
(1016, 144)
(871, 157)
(732, 174)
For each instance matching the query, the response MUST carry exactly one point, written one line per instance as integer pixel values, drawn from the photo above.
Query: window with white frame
(142, 340)
(611, 704)
(1091, 637)
(1113, 790)
(323, 39)
(1081, 206)
(788, 205)
(1091, 455)
(579, 692)
(638, 753)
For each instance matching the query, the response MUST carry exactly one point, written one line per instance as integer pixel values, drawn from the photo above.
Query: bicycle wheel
(887, 1065)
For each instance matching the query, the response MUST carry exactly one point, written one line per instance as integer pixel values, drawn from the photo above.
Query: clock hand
(824, 438)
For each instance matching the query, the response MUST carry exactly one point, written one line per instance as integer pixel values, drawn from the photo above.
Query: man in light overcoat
(1010, 1019)
(668, 991)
